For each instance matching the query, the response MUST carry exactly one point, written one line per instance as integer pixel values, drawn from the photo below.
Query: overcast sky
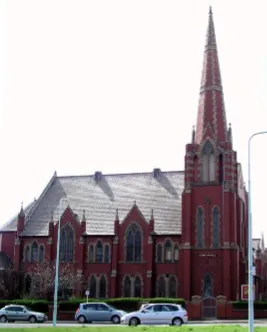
(113, 86)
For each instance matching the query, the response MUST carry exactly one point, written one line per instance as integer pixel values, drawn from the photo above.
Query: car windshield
(27, 308)
(111, 307)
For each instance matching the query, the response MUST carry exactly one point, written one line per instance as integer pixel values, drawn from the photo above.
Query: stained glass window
(99, 252)
(127, 287)
(34, 252)
(200, 226)
(102, 287)
(216, 227)
(133, 244)
(137, 287)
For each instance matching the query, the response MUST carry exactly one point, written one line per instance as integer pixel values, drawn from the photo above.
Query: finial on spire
(230, 137)
(210, 10)
(84, 219)
(152, 214)
(134, 203)
(52, 217)
(21, 213)
(193, 135)
(117, 215)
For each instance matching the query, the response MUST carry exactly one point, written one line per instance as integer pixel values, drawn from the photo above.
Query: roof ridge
(117, 174)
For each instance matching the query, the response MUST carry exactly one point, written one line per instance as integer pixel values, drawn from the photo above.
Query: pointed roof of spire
(83, 218)
(211, 119)
(21, 213)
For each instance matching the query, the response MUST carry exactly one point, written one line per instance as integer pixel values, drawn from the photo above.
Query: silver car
(157, 314)
(12, 313)
(98, 311)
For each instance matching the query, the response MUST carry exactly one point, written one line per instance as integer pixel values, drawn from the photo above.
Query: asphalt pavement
(257, 323)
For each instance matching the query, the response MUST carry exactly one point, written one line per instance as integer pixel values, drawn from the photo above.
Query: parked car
(12, 313)
(157, 314)
(98, 311)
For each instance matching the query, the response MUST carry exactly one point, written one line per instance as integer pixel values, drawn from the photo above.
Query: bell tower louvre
(173, 234)
(214, 198)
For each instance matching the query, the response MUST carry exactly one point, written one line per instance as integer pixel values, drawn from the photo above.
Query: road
(258, 323)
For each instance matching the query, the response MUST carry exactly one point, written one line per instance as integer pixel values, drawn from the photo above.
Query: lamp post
(57, 264)
(250, 260)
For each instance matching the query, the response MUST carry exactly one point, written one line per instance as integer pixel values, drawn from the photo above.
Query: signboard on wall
(244, 293)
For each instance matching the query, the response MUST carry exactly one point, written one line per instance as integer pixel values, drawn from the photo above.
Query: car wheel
(177, 321)
(115, 319)
(32, 319)
(134, 321)
(3, 319)
(81, 319)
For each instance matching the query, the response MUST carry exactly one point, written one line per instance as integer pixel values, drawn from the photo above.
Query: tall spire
(211, 119)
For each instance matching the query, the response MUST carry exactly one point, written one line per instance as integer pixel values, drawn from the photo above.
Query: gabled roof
(11, 225)
(101, 197)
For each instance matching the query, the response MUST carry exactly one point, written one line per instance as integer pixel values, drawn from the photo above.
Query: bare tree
(10, 282)
(69, 281)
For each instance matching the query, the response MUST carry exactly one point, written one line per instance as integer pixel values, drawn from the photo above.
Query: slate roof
(101, 198)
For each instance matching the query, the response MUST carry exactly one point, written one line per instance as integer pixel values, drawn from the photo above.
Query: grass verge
(212, 328)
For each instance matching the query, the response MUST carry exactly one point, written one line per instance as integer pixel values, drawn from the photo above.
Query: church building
(152, 234)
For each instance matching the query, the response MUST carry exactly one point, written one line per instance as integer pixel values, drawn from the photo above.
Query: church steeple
(211, 119)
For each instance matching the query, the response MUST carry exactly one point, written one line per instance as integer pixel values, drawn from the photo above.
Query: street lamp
(250, 260)
(57, 263)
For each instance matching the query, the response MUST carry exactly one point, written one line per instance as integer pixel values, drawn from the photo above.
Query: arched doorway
(209, 304)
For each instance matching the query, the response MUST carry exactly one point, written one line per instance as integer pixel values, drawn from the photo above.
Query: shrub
(35, 305)
(127, 304)
(243, 305)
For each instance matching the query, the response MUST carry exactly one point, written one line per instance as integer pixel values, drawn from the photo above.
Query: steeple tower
(211, 119)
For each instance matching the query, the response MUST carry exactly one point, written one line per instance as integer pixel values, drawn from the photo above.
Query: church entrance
(209, 304)
(209, 307)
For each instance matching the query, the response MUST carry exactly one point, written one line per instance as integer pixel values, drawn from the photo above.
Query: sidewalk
(212, 322)
(227, 321)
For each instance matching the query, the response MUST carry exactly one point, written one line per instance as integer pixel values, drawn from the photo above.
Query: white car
(157, 314)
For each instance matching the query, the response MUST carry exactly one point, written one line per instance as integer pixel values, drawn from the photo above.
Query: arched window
(92, 286)
(172, 287)
(36, 285)
(41, 254)
(28, 285)
(127, 284)
(66, 244)
(159, 253)
(216, 227)
(27, 254)
(207, 286)
(168, 251)
(208, 163)
(102, 287)
(62, 245)
(200, 227)
(162, 287)
(133, 244)
(176, 253)
(99, 252)
(137, 287)
(91, 254)
(221, 169)
(34, 252)
(106, 258)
